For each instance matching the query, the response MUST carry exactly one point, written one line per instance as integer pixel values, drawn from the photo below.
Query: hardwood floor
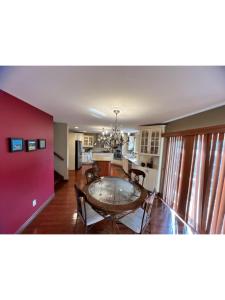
(60, 216)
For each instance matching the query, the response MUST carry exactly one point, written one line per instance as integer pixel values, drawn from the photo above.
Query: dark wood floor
(59, 217)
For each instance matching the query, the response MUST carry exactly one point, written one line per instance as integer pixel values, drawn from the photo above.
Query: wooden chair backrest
(91, 174)
(135, 175)
(81, 198)
(149, 201)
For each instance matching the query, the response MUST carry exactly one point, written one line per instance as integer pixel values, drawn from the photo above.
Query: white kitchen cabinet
(151, 181)
(151, 177)
(79, 137)
(150, 141)
(155, 137)
(88, 141)
(148, 149)
(86, 157)
(151, 144)
(144, 141)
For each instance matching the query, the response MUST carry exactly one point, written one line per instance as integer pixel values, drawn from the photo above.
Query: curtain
(194, 184)
(172, 170)
(216, 210)
(194, 202)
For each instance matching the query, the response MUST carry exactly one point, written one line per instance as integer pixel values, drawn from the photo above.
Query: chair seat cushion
(92, 216)
(134, 220)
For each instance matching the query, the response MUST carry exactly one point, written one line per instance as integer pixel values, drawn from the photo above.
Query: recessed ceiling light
(76, 127)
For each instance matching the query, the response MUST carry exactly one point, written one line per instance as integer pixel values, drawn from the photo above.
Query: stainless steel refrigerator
(78, 155)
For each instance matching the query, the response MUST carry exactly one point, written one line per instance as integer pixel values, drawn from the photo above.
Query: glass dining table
(114, 196)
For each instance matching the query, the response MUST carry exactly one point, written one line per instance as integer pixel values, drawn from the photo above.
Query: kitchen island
(103, 162)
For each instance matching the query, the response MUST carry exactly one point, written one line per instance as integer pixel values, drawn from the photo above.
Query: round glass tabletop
(114, 190)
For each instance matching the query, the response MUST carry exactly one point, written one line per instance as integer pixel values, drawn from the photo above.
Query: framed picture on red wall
(41, 144)
(31, 145)
(16, 144)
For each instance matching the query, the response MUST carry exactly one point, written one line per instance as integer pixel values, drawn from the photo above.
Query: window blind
(194, 181)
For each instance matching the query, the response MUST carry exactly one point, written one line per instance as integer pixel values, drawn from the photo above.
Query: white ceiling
(86, 96)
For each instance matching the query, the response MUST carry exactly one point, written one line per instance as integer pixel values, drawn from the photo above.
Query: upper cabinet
(155, 137)
(150, 139)
(88, 141)
(144, 141)
(79, 136)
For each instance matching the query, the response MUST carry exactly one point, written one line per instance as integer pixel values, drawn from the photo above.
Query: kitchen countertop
(137, 162)
(99, 156)
(133, 160)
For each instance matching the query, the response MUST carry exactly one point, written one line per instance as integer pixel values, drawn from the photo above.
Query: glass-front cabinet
(144, 141)
(150, 140)
(91, 141)
(155, 142)
(88, 141)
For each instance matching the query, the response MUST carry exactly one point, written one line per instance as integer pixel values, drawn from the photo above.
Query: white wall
(71, 146)
(137, 142)
(61, 148)
(125, 146)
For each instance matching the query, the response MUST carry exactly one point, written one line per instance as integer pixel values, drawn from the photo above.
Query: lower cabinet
(151, 177)
(86, 157)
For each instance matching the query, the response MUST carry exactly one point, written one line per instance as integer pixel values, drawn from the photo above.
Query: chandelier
(114, 139)
(103, 138)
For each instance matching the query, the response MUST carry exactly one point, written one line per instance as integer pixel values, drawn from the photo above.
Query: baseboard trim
(35, 214)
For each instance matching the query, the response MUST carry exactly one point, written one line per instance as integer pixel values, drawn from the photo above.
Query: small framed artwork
(41, 144)
(31, 145)
(16, 144)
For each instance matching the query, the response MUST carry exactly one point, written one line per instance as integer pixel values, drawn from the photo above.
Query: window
(194, 183)
(172, 173)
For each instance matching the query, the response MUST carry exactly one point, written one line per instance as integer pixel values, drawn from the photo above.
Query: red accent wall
(24, 176)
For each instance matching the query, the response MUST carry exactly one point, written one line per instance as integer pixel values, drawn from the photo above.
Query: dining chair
(84, 210)
(137, 176)
(91, 174)
(138, 220)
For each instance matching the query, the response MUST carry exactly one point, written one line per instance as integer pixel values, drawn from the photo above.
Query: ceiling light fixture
(115, 138)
